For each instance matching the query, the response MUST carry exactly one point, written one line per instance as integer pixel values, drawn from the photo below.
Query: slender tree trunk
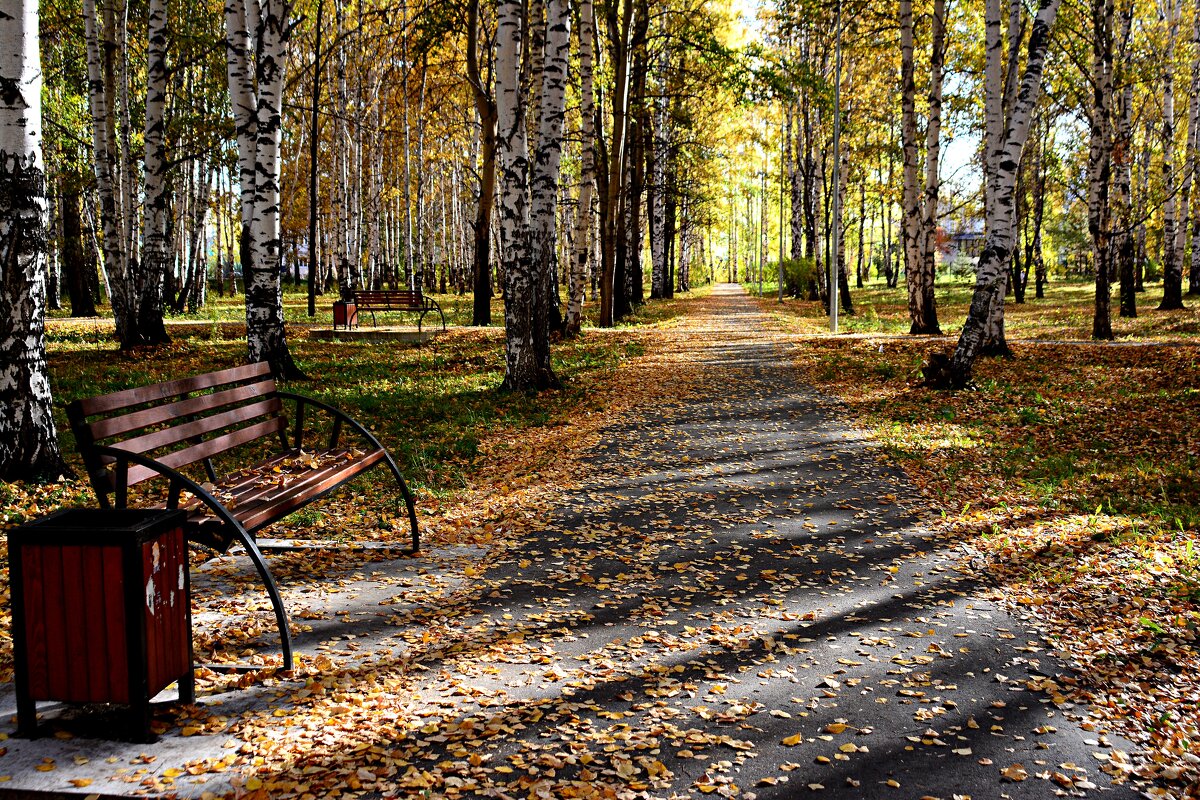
(1192, 157)
(1122, 157)
(1100, 163)
(28, 437)
(73, 259)
(1172, 266)
(544, 181)
(101, 88)
(520, 284)
(990, 279)
(256, 90)
(156, 246)
(920, 209)
(485, 107)
(583, 229)
(619, 23)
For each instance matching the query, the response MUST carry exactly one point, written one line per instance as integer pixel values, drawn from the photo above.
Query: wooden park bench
(236, 416)
(411, 300)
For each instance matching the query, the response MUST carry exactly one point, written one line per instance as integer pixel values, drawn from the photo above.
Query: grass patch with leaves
(1065, 314)
(1072, 474)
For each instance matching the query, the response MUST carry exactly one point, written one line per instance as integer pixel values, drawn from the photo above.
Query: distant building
(964, 239)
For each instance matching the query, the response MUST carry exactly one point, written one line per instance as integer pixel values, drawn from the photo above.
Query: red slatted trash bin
(345, 315)
(101, 611)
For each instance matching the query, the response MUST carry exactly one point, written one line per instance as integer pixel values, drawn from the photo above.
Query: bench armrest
(338, 415)
(179, 483)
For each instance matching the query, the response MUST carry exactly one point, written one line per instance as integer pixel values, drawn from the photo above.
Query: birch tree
(656, 196)
(1193, 159)
(1125, 244)
(1172, 263)
(512, 147)
(256, 48)
(1100, 163)
(106, 162)
(485, 109)
(544, 181)
(28, 438)
(998, 243)
(156, 246)
(920, 207)
(587, 179)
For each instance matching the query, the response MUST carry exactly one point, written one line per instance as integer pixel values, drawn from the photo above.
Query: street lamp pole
(837, 165)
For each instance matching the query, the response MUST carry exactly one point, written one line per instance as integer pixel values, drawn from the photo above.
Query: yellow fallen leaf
(79, 783)
(792, 741)
(1015, 773)
(836, 727)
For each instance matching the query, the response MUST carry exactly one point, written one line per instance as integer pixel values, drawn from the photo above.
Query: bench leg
(281, 618)
(408, 502)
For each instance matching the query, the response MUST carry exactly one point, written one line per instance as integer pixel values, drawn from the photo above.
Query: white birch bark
(587, 181)
(122, 293)
(1100, 162)
(1188, 199)
(28, 438)
(1123, 165)
(908, 132)
(998, 243)
(923, 288)
(256, 91)
(658, 182)
(512, 147)
(156, 248)
(994, 341)
(1172, 262)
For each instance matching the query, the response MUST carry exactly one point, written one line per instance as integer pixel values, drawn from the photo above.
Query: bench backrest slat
(155, 392)
(397, 297)
(198, 428)
(181, 409)
(226, 409)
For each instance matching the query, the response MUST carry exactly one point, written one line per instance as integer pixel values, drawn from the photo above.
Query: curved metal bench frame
(179, 483)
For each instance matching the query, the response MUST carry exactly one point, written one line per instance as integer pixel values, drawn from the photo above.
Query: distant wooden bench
(153, 432)
(411, 300)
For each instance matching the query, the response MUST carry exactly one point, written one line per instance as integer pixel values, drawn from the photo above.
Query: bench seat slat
(257, 504)
(137, 420)
(115, 401)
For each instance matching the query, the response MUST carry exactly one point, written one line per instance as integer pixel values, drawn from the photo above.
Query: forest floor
(690, 574)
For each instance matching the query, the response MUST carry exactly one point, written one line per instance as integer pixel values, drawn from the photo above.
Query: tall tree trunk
(1192, 157)
(583, 229)
(656, 196)
(1125, 246)
(1100, 163)
(920, 207)
(156, 246)
(520, 284)
(545, 178)
(485, 107)
(619, 22)
(1172, 266)
(998, 243)
(256, 91)
(28, 437)
(74, 261)
(101, 87)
